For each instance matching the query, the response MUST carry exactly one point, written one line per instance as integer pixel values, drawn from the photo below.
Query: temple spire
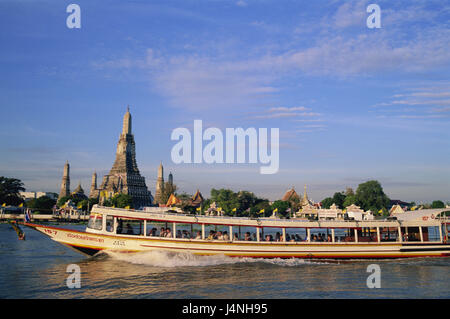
(124, 176)
(305, 199)
(160, 185)
(127, 122)
(65, 184)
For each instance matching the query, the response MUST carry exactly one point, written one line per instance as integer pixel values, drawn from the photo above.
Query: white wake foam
(182, 259)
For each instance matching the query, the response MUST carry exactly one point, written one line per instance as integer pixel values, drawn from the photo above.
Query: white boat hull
(91, 243)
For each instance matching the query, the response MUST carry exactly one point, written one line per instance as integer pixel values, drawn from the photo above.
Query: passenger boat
(256, 237)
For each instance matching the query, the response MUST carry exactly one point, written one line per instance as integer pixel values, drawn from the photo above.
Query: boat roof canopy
(164, 215)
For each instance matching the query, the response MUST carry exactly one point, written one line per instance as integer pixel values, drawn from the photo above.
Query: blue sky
(352, 103)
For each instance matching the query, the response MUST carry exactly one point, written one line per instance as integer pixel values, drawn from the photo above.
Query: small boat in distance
(132, 231)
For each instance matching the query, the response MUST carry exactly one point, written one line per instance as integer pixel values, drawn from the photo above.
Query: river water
(37, 268)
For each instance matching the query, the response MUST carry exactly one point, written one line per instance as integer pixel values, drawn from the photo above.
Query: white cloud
(228, 79)
(241, 3)
(288, 109)
(350, 14)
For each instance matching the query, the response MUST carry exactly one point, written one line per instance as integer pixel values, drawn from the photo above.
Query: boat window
(109, 224)
(189, 231)
(411, 233)
(388, 234)
(432, 232)
(127, 226)
(296, 234)
(321, 234)
(271, 234)
(367, 234)
(95, 222)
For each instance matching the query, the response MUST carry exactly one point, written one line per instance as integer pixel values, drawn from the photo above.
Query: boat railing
(164, 214)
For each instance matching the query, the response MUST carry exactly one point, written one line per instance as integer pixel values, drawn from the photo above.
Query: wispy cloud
(422, 102)
(229, 79)
(241, 3)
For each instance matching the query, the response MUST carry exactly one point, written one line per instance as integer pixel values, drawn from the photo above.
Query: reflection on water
(36, 268)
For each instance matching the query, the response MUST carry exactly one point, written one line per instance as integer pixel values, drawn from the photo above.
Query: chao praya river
(37, 268)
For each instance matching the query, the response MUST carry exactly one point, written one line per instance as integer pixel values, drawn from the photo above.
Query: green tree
(246, 200)
(119, 201)
(282, 207)
(262, 204)
(63, 200)
(370, 195)
(437, 204)
(338, 199)
(349, 200)
(10, 189)
(122, 201)
(226, 199)
(44, 203)
(327, 202)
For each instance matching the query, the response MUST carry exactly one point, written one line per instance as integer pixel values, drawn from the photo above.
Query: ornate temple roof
(197, 199)
(78, 190)
(354, 208)
(396, 209)
(290, 195)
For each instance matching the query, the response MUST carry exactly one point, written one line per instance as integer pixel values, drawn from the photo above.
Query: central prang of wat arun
(124, 177)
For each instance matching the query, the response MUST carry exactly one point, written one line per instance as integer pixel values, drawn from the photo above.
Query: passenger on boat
(288, 238)
(162, 232)
(247, 237)
(268, 238)
(129, 229)
(109, 227)
(185, 234)
(199, 235)
(278, 237)
(235, 237)
(211, 235)
(298, 238)
(329, 239)
(168, 232)
(179, 234)
(226, 236)
(219, 235)
(120, 227)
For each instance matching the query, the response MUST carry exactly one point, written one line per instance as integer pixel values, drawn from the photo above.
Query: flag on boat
(261, 211)
(21, 205)
(80, 205)
(4, 205)
(27, 216)
(275, 210)
(199, 209)
(234, 209)
(127, 207)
